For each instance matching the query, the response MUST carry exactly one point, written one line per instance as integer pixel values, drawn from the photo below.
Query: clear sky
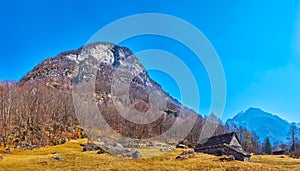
(257, 41)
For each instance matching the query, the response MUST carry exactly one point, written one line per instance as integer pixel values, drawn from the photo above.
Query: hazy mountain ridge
(263, 123)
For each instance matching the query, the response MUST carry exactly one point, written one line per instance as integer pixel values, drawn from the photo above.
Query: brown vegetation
(35, 114)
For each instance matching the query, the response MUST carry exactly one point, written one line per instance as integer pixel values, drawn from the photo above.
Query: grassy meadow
(75, 159)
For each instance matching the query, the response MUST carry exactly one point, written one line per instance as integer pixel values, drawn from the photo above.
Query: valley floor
(75, 159)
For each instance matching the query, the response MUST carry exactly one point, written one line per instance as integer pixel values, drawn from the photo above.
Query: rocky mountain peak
(107, 53)
(67, 64)
(99, 62)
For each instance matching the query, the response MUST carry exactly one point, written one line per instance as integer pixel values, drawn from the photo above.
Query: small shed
(225, 144)
(278, 152)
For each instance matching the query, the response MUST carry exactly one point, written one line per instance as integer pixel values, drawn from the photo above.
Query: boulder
(187, 143)
(170, 148)
(133, 154)
(116, 150)
(127, 150)
(186, 154)
(118, 145)
(136, 154)
(180, 157)
(32, 147)
(82, 144)
(58, 158)
(153, 143)
(91, 148)
(128, 155)
(181, 146)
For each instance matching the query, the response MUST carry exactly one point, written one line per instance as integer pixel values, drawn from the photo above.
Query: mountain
(103, 87)
(263, 123)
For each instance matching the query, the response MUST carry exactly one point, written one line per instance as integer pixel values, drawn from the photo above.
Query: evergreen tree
(267, 146)
(292, 135)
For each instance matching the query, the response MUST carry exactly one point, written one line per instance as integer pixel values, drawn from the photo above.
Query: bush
(63, 141)
(55, 141)
(295, 154)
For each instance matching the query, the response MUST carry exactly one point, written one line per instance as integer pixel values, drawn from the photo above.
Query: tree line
(35, 114)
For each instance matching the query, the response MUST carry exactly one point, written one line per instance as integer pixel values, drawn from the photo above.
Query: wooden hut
(278, 152)
(225, 144)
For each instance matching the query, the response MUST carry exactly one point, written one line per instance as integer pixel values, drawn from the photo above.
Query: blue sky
(257, 42)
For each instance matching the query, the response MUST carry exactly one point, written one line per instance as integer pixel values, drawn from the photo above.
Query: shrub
(295, 154)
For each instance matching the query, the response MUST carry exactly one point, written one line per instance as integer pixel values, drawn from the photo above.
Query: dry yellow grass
(75, 159)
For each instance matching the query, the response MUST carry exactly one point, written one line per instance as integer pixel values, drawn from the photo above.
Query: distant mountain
(263, 123)
(298, 124)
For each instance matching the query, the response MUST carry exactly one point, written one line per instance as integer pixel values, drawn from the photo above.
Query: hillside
(263, 123)
(75, 159)
(90, 92)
